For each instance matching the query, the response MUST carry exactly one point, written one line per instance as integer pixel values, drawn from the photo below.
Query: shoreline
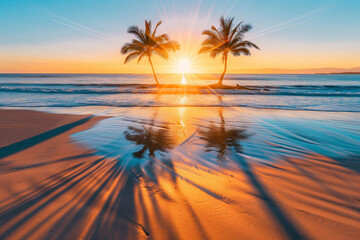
(41, 108)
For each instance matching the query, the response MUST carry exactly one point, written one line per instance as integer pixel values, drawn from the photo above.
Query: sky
(78, 36)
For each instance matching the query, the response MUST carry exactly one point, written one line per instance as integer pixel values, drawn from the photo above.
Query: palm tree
(146, 43)
(227, 39)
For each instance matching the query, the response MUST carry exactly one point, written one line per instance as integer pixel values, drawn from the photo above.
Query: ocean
(340, 93)
(285, 115)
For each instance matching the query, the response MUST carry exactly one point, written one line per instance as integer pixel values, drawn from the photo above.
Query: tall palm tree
(227, 39)
(147, 43)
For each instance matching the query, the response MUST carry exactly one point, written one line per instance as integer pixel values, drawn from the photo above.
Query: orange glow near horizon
(92, 54)
(259, 63)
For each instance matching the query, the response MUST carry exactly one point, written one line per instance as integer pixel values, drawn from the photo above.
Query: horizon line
(315, 73)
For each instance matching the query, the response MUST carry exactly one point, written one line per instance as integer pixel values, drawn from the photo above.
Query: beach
(179, 120)
(103, 172)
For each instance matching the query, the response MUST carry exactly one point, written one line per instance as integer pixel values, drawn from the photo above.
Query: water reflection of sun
(183, 80)
(183, 66)
(183, 100)
(181, 127)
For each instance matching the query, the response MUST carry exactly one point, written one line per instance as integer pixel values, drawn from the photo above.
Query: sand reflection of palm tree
(147, 43)
(221, 139)
(227, 39)
(152, 138)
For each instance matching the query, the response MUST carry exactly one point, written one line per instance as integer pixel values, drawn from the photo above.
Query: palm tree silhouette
(147, 43)
(222, 140)
(227, 39)
(153, 138)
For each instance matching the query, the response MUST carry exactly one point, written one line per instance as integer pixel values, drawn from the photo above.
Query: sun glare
(184, 65)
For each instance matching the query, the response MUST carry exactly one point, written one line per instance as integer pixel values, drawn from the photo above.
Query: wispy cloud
(288, 23)
(73, 25)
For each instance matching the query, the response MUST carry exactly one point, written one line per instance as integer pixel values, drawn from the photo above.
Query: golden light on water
(183, 100)
(183, 80)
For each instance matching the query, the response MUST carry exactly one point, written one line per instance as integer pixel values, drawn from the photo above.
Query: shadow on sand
(32, 141)
(131, 196)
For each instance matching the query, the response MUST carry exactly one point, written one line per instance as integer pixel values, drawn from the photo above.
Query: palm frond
(137, 43)
(222, 22)
(125, 48)
(228, 28)
(212, 38)
(141, 56)
(131, 56)
(170, 46)
(161, 38)
(157, 25)
(246, 44)
(219, 36)
(212, 42)
(139, 33)
(242, 30)
(245, 28)
(235, 30)
(148, 28)
(214, 52)
(205, 49)
(160, 52)
(129, 47)
(240, 51)
(212, 34)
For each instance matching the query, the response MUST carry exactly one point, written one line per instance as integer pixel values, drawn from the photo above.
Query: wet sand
(175, 173)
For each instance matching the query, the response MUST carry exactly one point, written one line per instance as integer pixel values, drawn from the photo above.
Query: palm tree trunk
(152, 67)
(223, 74)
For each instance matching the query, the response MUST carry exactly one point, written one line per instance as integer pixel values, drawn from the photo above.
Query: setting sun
(183, 65)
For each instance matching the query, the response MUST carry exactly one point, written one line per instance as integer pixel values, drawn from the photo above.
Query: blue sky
(285, 30)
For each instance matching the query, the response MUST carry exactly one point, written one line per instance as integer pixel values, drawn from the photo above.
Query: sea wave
(338, 91)
(28, 76)
(297, 86)
(152, 105)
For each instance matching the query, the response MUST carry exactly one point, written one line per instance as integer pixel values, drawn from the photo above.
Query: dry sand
(52, 188)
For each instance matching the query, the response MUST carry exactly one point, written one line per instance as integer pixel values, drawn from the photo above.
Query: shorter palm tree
(227, 39)
(148, 43)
